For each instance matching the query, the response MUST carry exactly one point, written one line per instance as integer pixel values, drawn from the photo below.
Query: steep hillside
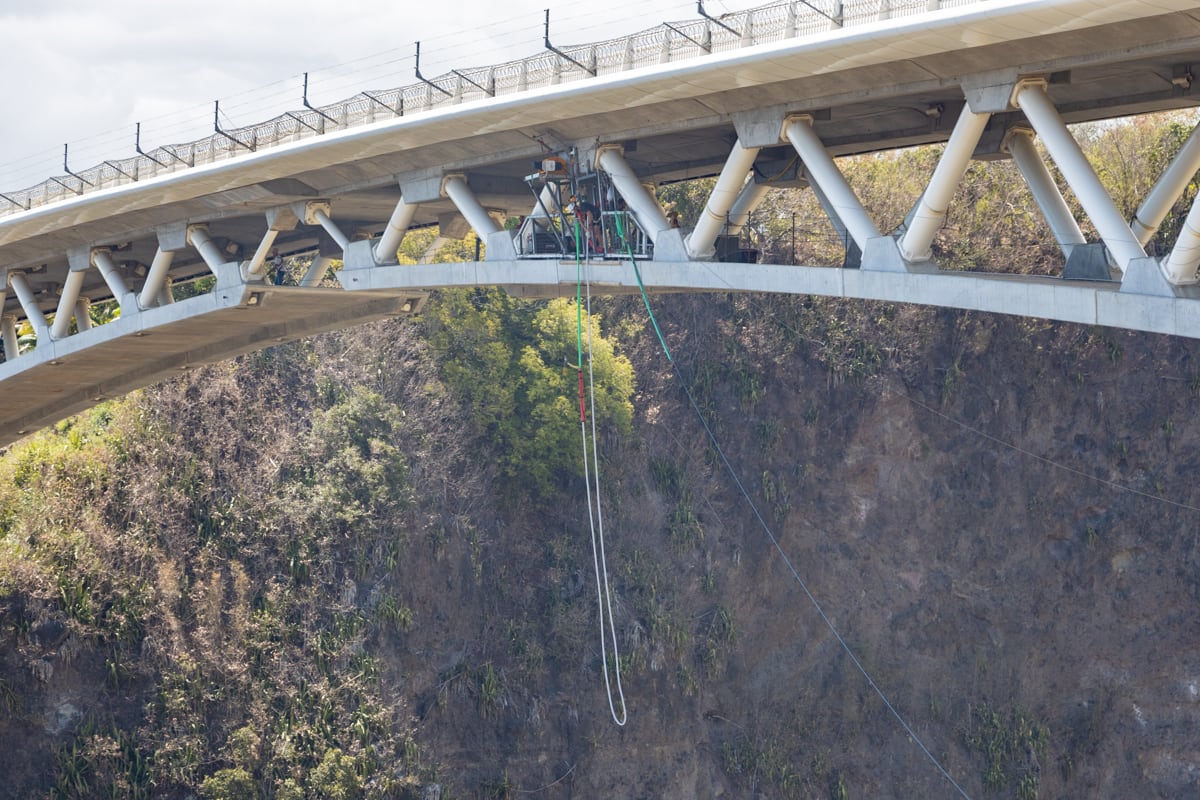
(313, 573)
(361, 566)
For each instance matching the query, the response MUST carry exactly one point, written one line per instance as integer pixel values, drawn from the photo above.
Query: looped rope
(595, 518)
(770, 535)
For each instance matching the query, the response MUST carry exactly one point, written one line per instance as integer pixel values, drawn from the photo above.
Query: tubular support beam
(257, 267)
(725, 193)
(1030, 96)
(748, 199)
(547, 204)
(455, 187)
(102, 258)
(825, 174)
(335, 233)
(402, 216)
(931, 209)
(8, 330)
(1180, 267)
(83, 319)
(432, 250)
(156, 279)
(197, 237)
(37, 319)
(1062, 222)
(831, 212)
(645, 208)
(66, 304)
(1169, 187)
(316, 270)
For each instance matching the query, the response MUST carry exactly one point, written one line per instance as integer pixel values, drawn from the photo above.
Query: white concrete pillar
(8, 330)
(393, 234)
(156, 278)
(1180, 266)
(197, 237)
(839, 227)
(83, 317)
(1123, 246)
(455, 187)
(715, 215)
(102, 259)
(432, 250)
(1169, 187)
(825, 174)
(257, 266)
(25, 297)
(930, 213)
(316, 270)
(642, 205)
(335, 233)
(1064, 226)
(752, 194)
(66, 304)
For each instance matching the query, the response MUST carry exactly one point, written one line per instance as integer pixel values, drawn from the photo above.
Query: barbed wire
(664, 43)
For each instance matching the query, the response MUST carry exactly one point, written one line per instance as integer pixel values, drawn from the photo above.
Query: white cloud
(86, 72)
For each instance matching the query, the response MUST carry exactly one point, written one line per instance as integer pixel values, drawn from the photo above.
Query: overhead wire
(518, 35)
(1037, 457)
(1051, 462)
(845, 646)
(774, 541)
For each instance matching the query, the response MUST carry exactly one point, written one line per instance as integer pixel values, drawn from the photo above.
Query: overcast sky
(85, 73)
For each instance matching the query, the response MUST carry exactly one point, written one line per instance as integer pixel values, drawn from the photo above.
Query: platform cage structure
(578, 216)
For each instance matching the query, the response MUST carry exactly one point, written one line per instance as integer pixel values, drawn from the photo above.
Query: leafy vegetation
(516, 365)
(252, 681)
(359, 566)
(1013, 746)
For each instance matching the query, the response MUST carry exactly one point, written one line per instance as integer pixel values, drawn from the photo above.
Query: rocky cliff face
(998, 516)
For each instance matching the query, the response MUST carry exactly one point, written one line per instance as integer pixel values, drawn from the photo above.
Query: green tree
(335, 778)
(417, 243)
(548, 399)
(229, 784)
(354, 466)
(515, 365)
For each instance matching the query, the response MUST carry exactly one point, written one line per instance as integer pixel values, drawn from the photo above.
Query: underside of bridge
(144, 349)
(1125, 68)
(986, 78)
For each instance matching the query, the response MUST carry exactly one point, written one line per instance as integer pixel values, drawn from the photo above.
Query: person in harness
(589, 218)
(277, 266)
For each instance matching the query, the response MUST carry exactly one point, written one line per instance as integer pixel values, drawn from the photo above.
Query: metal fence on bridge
(665, 43)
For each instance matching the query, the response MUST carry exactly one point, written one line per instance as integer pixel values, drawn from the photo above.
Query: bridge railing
(663, 43)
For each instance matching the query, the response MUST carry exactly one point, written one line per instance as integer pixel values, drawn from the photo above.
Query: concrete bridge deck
(463, 159)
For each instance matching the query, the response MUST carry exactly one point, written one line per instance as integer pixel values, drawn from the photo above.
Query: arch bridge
(182, 238)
